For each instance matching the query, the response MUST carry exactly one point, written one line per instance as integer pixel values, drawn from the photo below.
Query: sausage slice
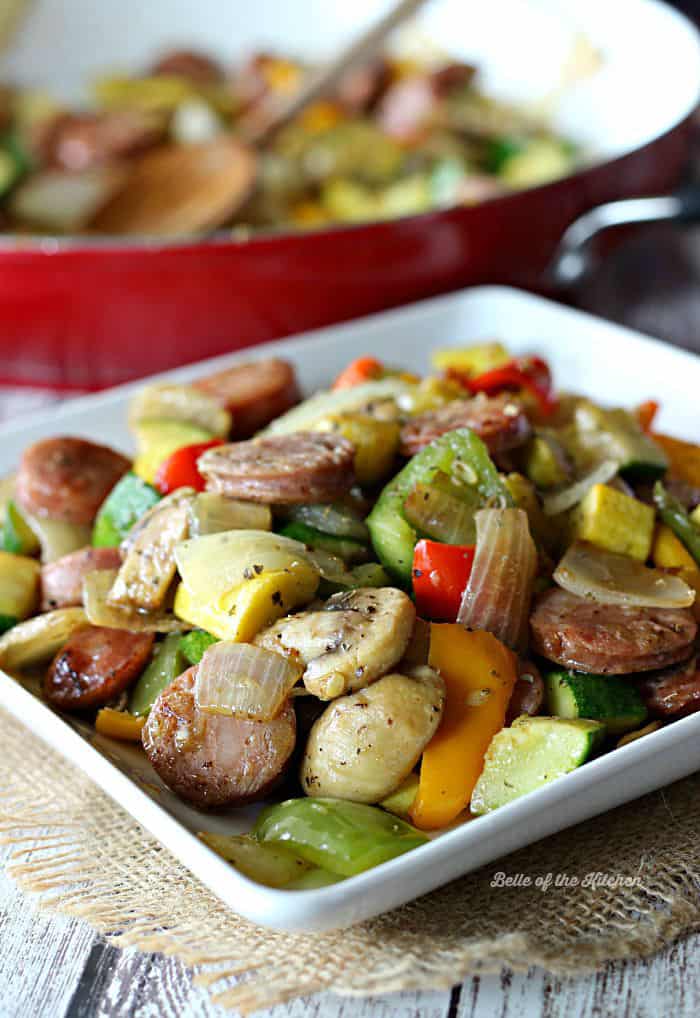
(407, 106)
(80, 141)
(254, 393)
(528, 692)
(62, 580)
(609, 639)
(185, 63)
(282, 469)
(210, 760)
(675, 693)
(67, 478)
(95, 666)
(499, 421)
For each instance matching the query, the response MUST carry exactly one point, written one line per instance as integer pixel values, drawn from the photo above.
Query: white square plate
(611, 364)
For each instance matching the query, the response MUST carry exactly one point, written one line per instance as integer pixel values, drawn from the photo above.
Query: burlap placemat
(620, 885)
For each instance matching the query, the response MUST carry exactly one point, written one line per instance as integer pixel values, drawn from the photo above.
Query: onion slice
(441, 516)
(498, 595)
(96, 588)
(560, 501)
(243, 681)
(337, 520)
(605, 576)
(38, 639)
(211, 513)
(149, 568)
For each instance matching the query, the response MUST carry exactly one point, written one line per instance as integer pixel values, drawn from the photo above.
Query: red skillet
(91, 313)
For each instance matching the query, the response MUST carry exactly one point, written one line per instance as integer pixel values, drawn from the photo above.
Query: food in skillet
(398, 137)
(394, 604)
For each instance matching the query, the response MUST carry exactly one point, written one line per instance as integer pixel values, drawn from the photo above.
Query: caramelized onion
(498, 594)
(610, 578)
(560, 501)
(96, 588)
(242, 681)
(441, 516)
(36, 640)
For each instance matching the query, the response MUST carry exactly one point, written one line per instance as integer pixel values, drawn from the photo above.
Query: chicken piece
(358, 636)
(364, 745)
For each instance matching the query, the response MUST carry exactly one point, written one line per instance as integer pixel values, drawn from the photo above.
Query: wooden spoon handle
(260, 128)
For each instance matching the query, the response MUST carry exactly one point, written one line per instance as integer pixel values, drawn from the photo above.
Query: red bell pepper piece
(646, 412)
(364, 369)
(440, 575)
(180, 468)
(530, 373)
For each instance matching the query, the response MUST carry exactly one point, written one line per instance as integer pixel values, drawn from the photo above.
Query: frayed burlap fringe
(82, 855)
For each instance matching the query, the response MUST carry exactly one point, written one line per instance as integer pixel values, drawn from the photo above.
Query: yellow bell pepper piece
(117, 724)
(667, 552)
(653, 726)
(320, 116)
(471, 360)
(281, 75)
(308, 214)
(683, 457)
(479, 673)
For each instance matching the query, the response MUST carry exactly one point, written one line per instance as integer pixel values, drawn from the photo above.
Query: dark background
(651, 280)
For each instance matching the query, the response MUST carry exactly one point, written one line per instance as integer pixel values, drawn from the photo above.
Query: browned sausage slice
(452, 77)
(528, 692)
(185, 63)
(80, 141)
(407, 106)
(211, 760)
(675, 693)
(62, 580)
(67, 478)
(360, 88)
(282, 469)
(254, 393)
(499, 421)
(609, 639)
(95, 666)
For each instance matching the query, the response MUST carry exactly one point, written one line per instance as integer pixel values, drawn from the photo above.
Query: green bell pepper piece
(193, 645)
(339, 836)
(166, 664)
(343, 547)
(7, 622)
(369, 574)
(460, 454)
(17, 536)
(676, 518)
(126, 503)
(312, 880)
(500, 150)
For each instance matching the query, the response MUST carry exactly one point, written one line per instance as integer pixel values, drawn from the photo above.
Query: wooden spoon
(181, 189)
(177, 190)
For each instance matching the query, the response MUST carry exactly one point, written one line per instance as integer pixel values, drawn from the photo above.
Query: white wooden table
(54, 967)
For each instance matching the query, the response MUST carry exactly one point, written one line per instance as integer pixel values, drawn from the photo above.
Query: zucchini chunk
(530, 754)
(614, 701)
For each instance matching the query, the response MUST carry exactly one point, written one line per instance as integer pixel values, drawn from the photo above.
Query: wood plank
(110, 984)
(669, 983)
(41, 956)
(167, 991)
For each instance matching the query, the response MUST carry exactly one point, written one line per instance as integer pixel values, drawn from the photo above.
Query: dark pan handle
(572, 258)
